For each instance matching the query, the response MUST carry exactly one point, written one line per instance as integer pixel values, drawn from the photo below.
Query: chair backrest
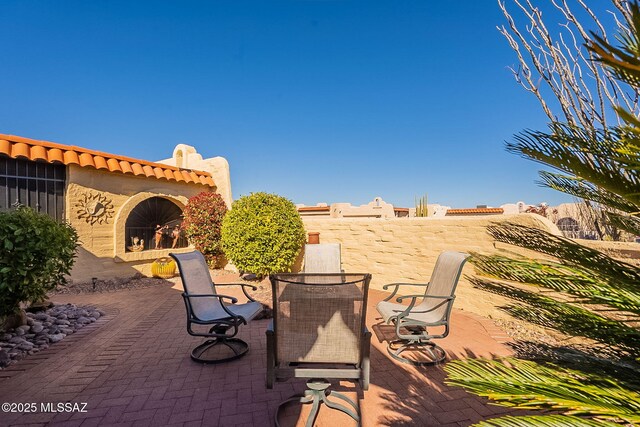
(319, 317)
(322, 258)
(196, 280)
(443, 282)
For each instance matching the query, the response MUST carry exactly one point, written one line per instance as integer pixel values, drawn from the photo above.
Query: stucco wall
(102, 254)
(406, 249)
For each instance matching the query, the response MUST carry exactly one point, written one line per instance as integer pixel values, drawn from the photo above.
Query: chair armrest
(444, 297)
(233, 300)
(397, 286)
(244, 291)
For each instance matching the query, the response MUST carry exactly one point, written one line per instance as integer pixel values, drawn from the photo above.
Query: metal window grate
(35, 184)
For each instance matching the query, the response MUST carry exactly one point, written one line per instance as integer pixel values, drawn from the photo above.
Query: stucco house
(116, 203)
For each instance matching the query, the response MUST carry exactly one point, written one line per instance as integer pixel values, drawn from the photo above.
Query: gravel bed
(44, 328)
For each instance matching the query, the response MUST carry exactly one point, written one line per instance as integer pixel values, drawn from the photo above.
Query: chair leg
(431, 354)
(219, 350)
(317, 394)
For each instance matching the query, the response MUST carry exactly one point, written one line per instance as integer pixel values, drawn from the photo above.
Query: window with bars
(36, 184)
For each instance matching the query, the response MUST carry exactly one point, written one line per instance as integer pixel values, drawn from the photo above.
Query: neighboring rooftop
(475, 211)
(18, 147)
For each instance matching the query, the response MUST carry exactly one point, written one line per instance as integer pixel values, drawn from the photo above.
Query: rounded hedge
(263, 234)
(203, 222)
(36, 254)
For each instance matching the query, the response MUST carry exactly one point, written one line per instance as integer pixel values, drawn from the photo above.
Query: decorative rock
(43, 328)
(41, 316)
(25, 346)
(4, 358)
(56, 337)
(17, 340)
(83, 320)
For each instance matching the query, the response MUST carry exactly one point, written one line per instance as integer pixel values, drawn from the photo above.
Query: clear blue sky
(319, 101)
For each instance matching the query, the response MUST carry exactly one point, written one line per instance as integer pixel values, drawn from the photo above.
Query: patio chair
(322, 258)
(413, 322)
(219, 313)
(318, 332)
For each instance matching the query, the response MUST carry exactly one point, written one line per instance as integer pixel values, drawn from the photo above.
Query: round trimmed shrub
(202, 223)
(263, 234)
(36, 254)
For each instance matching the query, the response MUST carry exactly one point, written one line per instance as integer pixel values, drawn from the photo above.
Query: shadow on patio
(132, 367)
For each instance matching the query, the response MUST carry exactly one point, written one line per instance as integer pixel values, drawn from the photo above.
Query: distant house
(377, 208)
(114, 202)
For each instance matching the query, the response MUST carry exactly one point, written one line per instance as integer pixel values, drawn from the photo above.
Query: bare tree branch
(556, 67)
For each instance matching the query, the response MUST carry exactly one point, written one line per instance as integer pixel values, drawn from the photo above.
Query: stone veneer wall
(102, 253)
(406, 249)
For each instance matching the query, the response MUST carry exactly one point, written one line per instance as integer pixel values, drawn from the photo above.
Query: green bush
(263, 234)
(36, 252)
(202, 223)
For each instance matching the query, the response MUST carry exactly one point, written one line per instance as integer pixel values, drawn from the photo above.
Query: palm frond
(565, 317)
(594, 156)
(528, 385)
(585, 190)
(628, 223)
(544, 421)
(587, 285)
(624, 62)
(568, 252)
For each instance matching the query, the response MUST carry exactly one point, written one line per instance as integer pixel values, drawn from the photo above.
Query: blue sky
(318, 101)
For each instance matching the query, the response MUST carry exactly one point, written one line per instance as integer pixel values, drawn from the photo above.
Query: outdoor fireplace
(154, 223)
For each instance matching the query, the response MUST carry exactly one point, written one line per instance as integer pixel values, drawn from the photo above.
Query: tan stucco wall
(102, 254)
(406, 249)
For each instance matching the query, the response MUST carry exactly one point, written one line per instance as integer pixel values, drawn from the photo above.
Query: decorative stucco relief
(94, 208)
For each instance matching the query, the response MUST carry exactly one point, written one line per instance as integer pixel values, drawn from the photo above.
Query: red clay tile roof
(31, 149)
(475, 211)
(401, 210)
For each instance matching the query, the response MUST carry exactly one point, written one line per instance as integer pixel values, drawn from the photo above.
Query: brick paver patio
(132, 367)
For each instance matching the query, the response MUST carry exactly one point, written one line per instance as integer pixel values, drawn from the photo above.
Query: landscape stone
(4, 357)
(56, 337)
(43, 328)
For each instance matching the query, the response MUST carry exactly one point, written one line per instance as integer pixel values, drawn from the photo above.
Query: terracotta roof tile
(114, 165)
(38, 153)
(18, 147)
(70, 157)
(125, 166)
(475, 211)
(100, 162)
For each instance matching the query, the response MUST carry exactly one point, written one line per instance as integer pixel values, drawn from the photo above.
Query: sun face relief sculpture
(94, 208)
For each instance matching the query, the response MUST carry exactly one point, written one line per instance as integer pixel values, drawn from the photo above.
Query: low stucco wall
(406, 249)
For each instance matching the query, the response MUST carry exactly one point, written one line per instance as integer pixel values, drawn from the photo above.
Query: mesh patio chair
(414, 321)
(318, 332)
(322, 258)
(219, 313)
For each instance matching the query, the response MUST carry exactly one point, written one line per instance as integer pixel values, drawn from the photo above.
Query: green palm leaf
(544, 421)
(524, 384)
(589, 286)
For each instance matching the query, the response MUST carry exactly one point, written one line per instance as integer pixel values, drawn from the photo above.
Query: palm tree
(600, 296)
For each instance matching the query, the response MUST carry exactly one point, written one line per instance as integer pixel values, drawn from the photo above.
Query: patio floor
(132, 367)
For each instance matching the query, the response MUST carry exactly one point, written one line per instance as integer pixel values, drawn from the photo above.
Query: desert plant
(36, 253)
(600, 297)
(422, 208)
(202, 224)
(263, 234)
